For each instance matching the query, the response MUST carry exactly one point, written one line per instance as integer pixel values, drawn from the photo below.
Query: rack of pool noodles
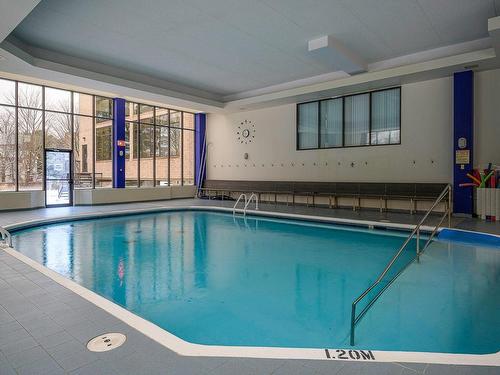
(487, 184)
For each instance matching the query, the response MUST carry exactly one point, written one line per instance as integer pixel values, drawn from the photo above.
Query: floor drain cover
(108, 341)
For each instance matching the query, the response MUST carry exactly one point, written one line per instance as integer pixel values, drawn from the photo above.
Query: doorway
(58, 178)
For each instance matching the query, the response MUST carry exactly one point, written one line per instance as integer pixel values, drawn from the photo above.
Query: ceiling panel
(230, 46)
(463, 21)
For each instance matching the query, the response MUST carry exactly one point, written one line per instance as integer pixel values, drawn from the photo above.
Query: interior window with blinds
(372, 118)
(357, 120)
(331, 123)
(307, 125)
(385, 115)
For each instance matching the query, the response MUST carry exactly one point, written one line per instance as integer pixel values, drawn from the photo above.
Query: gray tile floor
(44, 327)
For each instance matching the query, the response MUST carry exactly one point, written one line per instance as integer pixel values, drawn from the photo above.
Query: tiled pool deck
(44, 327)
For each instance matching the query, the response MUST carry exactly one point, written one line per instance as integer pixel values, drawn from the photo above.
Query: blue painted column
(200, 124)
(463, 142)
(118, 143)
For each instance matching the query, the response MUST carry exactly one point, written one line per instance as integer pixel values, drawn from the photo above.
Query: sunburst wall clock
(246, 132)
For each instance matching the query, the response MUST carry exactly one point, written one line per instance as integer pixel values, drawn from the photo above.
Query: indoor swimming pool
(214, 279)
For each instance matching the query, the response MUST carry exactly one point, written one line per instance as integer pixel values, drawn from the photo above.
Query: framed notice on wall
(462, 157)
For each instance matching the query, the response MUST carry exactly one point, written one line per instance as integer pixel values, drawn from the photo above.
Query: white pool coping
(186, 348)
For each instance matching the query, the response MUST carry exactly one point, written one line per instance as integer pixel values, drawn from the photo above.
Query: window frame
(319, 101)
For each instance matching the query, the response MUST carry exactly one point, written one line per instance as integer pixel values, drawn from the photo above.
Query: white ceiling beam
(484, 59)
(336, 55)
(494, 31)
(12, 13)
(21, 59)
(21, 65)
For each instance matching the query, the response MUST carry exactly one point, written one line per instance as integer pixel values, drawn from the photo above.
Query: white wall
(487, 118)
(106, 196)
(11, 200)
(425, 153)
(16, 200)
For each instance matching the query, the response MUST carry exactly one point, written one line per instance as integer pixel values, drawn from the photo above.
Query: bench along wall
(425, 152)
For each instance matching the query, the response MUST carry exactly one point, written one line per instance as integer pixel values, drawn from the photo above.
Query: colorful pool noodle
(467, 184)
(485, 179)
(473, 178)
(477, 175)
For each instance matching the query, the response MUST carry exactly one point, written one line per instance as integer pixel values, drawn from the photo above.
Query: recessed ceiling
(227, 47)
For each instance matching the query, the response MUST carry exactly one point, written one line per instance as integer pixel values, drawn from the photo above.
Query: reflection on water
(214, 279)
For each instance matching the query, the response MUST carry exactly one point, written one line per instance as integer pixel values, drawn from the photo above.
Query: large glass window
(146, 150)
(83, 151)
(57, 100)
(103, 155)
(162, 155)
(131, 172)
(385, 115)
(30, 149)
(7, 92)
(29, 96)
(103, 108)
(175, 156)
(58, 129)
(307, 126)
(331, 119)
(83, 104)
(7, 148)
(371, 118)
(159, 141)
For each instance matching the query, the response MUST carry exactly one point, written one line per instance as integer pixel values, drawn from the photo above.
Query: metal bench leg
(381, 209)
(354, 203)
(411, 206)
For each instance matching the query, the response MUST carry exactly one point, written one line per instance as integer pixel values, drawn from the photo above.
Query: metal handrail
(5, 236)
(254, 196)
(242, 195)
(416, 232)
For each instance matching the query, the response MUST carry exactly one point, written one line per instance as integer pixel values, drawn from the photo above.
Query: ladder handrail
(5, 236)
(242, 195)
(254, 196)
(416, 232)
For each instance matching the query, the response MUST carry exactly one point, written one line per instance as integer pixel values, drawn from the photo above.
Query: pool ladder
(446, 193)
(247, 201)
(5, 236)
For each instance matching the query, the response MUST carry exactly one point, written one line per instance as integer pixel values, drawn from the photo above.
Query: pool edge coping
(185, 348)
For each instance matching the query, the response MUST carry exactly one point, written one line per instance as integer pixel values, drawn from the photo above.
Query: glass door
(58, 178)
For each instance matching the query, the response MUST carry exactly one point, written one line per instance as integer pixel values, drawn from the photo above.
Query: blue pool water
(212, 279)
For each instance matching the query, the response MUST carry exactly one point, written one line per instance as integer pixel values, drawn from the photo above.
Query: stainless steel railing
(5, 236)
(446, 193)
(247, 201)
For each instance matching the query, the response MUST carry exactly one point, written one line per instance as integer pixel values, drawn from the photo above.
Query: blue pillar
(200, 121)
(463, 142)
(118, 143)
